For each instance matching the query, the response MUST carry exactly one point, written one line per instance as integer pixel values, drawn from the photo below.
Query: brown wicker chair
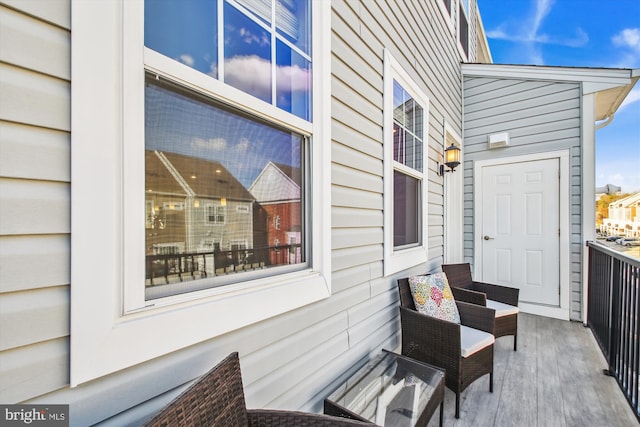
(438, 342)
(464, 288)
(217, 399)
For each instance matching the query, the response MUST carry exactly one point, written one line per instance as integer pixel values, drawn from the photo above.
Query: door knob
(488, 238)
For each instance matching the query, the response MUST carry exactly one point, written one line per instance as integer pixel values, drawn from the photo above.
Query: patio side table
(390, 390)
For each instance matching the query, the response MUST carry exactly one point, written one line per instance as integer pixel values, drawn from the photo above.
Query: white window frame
(452, 19)
(109, 314)
(401, 259)
(449, 16)
(464, 55)
(217, 206)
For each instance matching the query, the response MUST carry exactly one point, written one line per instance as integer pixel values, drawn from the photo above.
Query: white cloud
(634, 96)
(629, 37)
(527, 32)
(628, 41)
(186, 59)
(543, 7)
(242, 146)
(250, 38)
(212, 144)
(293, 77)
(252, 74)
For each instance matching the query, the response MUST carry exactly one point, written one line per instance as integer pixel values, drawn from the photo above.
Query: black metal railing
(613, 315)
(164, 268)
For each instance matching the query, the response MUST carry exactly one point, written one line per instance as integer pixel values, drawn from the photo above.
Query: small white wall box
(498, 140)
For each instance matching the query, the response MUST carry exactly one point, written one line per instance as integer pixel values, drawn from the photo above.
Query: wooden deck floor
(554, 379)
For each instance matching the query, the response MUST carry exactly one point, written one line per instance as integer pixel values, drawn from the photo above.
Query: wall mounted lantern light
(451, 159)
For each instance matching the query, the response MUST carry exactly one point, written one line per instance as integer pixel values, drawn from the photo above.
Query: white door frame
(563, 156)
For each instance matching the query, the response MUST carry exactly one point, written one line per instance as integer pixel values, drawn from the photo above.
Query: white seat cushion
(473, 340)
(502, 309)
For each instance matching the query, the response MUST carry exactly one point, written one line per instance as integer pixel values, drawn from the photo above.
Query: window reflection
(293, 81)
(247, 54)
(223, 191)
(186, 34)
(187, 31)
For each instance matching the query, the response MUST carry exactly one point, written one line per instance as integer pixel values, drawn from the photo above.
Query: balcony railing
(614, 315)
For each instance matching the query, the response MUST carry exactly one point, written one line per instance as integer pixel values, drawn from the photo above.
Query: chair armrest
(477, 316)
(467, 295)
(277, 418)
(503, 294)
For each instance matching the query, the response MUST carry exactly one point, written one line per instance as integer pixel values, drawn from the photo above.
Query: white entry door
(521, 228)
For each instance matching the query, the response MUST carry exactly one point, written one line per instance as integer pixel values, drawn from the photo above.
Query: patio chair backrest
(217, 398)
(458, 275)
(406, 299)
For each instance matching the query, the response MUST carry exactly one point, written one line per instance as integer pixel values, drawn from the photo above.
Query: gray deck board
(554, 379)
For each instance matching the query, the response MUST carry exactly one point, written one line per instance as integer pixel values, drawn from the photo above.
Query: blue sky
(582, 33)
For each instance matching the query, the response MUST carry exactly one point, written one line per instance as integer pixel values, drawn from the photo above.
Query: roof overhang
(611, 85)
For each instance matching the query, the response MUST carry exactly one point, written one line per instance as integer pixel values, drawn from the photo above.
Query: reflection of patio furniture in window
(217, 399)
(222, 260)
(464, 351)
(503, 299)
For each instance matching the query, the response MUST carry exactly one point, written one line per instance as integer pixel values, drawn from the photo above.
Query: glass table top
(390, 390)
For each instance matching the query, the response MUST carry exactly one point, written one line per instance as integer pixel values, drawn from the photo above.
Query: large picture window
(232, 172)
(406, 112)
(200, 177)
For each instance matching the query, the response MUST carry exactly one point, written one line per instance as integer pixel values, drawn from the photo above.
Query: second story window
(463, 25)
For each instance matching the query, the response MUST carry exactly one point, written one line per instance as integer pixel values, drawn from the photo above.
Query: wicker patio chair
(440, 342)
(503, 299)
(217, 399)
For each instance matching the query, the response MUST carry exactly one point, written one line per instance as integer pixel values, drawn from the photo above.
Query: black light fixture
(451, 159)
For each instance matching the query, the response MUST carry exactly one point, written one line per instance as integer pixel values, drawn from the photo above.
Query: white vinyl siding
(359, 318)
(34, 198)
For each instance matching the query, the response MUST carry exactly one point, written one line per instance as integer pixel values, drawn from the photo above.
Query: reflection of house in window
(192, 198)
(277, 190)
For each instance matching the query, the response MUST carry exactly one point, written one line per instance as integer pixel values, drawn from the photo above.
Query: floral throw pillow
(432, 296)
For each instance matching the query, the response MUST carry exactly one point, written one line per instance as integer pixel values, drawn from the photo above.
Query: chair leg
(491, 382)
(515, 342)
(458, 404)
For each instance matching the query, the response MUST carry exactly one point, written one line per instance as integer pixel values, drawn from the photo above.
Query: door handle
(488, 238)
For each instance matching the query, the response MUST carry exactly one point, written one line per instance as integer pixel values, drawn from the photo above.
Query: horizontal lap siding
(291, 361)
(539, 116)
(34, 198)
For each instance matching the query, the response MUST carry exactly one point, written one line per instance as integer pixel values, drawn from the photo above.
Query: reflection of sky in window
(186, 34)
(179, 124)
(408, 117)
(186, 31)
(247, 54)
(293, 81)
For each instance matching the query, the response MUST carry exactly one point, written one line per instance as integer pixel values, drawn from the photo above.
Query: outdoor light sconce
(451, 159)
